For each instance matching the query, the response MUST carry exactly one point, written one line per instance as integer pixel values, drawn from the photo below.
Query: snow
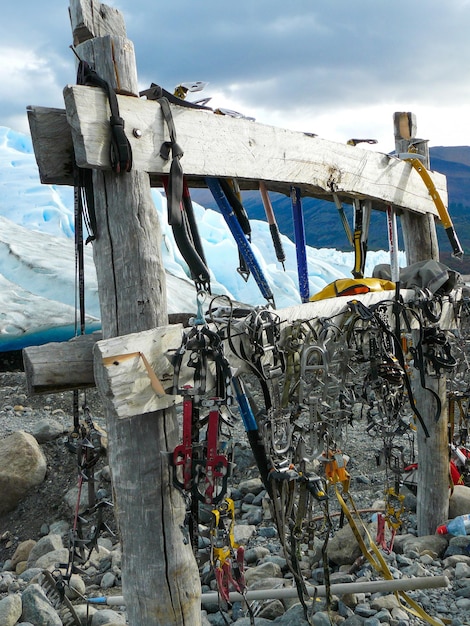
(37, 257)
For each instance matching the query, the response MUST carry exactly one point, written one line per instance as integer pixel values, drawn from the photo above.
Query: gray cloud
(267, 54)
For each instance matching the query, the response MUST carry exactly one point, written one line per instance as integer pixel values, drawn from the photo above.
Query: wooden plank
(216, 145)
(122, 376)
(68, 365)
(53, 145)
(56, 367)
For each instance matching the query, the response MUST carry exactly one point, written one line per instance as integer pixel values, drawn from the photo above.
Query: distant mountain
(323, 227)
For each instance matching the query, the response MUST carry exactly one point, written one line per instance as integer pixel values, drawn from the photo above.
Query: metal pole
(368, 586)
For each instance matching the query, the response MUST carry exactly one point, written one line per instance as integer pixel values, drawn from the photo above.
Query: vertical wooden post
(419, 233)
(159, 575)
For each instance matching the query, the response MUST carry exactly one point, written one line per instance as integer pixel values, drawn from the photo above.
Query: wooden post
(419, 232)
(160, 577)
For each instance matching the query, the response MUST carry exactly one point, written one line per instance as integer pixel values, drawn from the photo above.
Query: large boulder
(22, 466)
(459, 503)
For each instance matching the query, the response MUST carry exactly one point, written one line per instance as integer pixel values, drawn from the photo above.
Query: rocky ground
(44, 514)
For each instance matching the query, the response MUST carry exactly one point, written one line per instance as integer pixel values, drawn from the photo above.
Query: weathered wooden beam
(223, 146)
(68, 365)
(56, 367)
(124, 367)
(53, 145)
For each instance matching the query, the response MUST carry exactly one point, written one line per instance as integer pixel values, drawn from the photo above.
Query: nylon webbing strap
(378, 562)
(175, 181)
(120, 148)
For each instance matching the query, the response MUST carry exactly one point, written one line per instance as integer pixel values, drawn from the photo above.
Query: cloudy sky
(338, 68)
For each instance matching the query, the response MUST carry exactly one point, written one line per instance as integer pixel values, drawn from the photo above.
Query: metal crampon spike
(58, 600)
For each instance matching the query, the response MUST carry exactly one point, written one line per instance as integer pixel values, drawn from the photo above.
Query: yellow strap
(154, 380)
(375, 557)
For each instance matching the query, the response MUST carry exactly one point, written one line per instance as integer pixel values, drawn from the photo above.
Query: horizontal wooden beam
(119, 366)
(223, 146)
(68, 365)
(56, 367)
(53, 145)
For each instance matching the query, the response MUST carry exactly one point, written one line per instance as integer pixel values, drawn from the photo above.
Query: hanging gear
(186, 234)
(273, 227)
(300, 245)
(180, 210)
(202, 463)
(240, 238)
(457, 250)
(233, 195)
(120, 151)
(362, 211)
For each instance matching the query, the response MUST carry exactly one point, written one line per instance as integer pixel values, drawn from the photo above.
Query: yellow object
(352, 287)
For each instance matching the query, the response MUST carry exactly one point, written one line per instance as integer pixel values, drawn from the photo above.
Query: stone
(343, 548)
(452, 561)
(364, 610)
(463, 604)
(43, 546)
(243, 532)
(84, 612)
(255, 554)
(46, 430)
(273, 609)
(252, 485)
(50, 559)
(108, 580)
(270, 532)
(22, 467)
(427, 543)
(28, 575)
(400, 614)
(71, 498)
(37, 608)
(354, 620)
(294, 615)
(22, 552)
(10, 610)
(462, 570)
(265, 570)
(76, 587)
(459, 502)
(388, 601)
(106, 617)
(321, 618)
